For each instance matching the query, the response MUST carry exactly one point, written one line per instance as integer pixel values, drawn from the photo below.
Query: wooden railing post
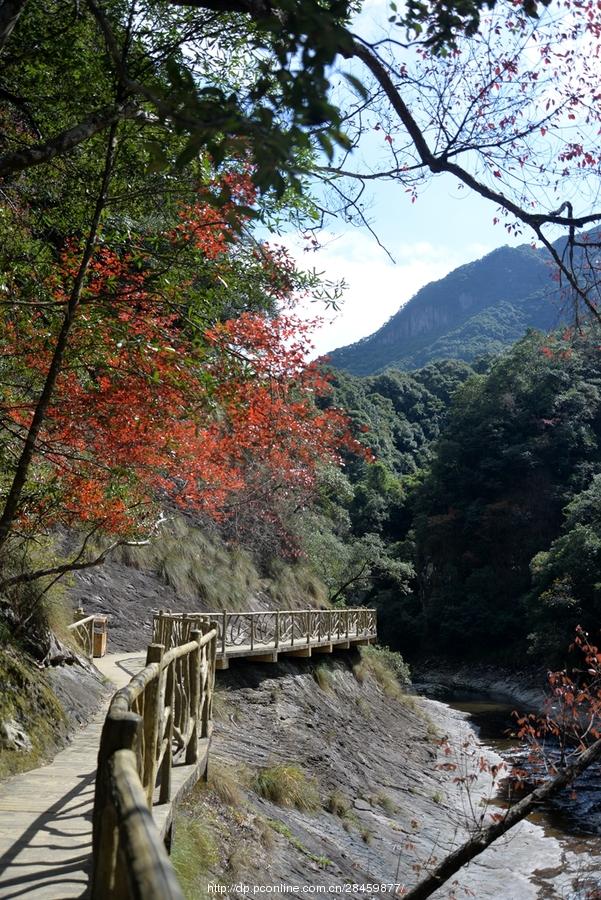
(167, 762)
(207, 709)
(276, 640)
(252, 632)
(223, 633)
(152, 720)
(108, 877)
(292, 628)
(330, 625)
(194, 697)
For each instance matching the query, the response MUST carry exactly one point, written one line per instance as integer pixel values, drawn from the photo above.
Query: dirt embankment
(384, 796)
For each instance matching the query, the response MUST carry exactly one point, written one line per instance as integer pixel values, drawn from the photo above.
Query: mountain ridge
(477, 309)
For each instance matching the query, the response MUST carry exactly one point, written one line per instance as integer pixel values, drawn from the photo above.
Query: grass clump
(324, 677)
(197, 565)
(288, 786)
(224, 782)
(295, 586)
(385, 803)
(193, 854)
(338, 804)
(366, 834)
(387, 667)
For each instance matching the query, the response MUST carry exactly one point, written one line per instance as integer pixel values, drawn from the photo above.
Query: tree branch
(36, 154)
(13, 498)
(10, 10)
(486, 836)
(73, 566)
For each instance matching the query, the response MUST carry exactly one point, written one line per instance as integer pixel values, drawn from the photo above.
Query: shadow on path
(51, 857)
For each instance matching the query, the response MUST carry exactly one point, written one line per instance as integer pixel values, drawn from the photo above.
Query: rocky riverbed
(393, 777)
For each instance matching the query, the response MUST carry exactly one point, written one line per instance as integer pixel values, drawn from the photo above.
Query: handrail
(84, 627)
(271, 629)
(158, 721)
(155, 722)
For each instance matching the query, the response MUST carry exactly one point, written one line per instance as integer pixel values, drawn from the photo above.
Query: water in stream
(573, 818)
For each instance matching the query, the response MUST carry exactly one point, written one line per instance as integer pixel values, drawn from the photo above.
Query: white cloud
(376, 286)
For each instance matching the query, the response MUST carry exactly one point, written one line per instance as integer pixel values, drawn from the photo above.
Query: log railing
(276, 629)
(83, 629)
(162, 719)
(158, 721)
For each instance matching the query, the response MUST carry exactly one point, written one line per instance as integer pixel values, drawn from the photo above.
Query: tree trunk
(10, 10)
(13, 498)
(486, 836)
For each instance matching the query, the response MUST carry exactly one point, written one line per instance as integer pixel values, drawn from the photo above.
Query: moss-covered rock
(27, 704)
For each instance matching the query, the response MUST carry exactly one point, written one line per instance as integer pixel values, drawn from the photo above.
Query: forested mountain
(476, 310)
(479, 523)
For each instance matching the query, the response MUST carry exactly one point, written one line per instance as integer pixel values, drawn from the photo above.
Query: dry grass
(242, 861)
(197, 565)
(288, 786)
(386, 667)
(224, 707)
(226, 783)
(295, 586)
(338, 804)
(385, 803)
(324, 677)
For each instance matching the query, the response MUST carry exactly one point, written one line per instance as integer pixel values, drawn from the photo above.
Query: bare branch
(73, 566)
(486, 836)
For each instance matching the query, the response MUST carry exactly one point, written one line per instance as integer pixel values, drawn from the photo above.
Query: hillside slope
(376, 802)
(477, 309)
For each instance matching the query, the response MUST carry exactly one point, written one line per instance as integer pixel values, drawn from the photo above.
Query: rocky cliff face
(386, 804)
(477, 309)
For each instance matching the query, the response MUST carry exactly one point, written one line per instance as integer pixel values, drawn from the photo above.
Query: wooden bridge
(96, 821)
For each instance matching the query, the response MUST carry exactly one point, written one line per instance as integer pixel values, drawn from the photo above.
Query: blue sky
(445, 228)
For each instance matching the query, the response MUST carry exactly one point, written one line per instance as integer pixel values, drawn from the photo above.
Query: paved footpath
(46, 814)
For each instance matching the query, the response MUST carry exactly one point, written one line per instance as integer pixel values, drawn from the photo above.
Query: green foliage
(27, 699)
(399, 414)
(194, 854)
(567, 579)
(521, 443)
(284, 830)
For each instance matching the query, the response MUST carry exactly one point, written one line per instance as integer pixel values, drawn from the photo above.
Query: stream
(572, 818)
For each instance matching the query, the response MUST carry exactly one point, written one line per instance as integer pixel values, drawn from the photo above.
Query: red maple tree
(150, 404)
